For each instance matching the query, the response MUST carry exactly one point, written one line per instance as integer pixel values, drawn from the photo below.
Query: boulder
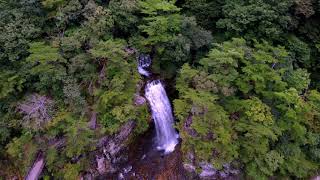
(139, 100)
(208, 171)
(189, 168)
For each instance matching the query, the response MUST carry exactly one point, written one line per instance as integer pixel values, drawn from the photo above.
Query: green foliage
(110, 49)
(190, 40)
(23, 150)
(162, 21)
(71, 171)
(210, 129)
(51, 3)
(246, 75)
(298, 79)
(222, 62)
(299, 51)
(79, 139)
(115, 99)
(40, 52)
(260, 18)
(254, 95)
(260, 73)
(47, 66)
(123, 13)
(256, 131)
(19, 21)
(72, 94)
(205, 11)
(11, 83)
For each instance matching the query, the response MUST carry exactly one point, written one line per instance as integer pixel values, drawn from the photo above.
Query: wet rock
(93, 120)
(188, 129)
(87, 176)
(120, 176)
(189, 167)
(190, 157)
(104, 165)
(130, 50)
(139, 100)
(121, 158)
(101, 167)
(207, 170)
(223, 174)
(127, 169)
(112, 151)
(143, 157)
(113, 145)
(316, 178)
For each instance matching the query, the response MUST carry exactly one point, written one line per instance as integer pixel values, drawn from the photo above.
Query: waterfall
(144, 62)
(166, 136)
(162, 116)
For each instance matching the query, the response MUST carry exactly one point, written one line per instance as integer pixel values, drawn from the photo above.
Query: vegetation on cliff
(244, 80)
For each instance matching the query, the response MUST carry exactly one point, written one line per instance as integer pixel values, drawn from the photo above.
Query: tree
(222, 62)
(204, 125)
(36, 110)
(124, 15)
(256, 131)
(298, 79)
(162, 21)
(48, 66)
(20, 22)
(188, 43)
(258, 18)
(268, 110)
(118, 78)
(304, 8)
(207, 12)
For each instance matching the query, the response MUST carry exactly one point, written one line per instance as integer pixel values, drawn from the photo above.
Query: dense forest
(243, 77)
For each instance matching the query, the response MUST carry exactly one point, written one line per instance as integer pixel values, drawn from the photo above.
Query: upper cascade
(144, 62)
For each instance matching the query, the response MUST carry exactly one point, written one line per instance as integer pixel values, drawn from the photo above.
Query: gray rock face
(112, 143)
(93, 120)
(190, 157)
(139, 100)
(111, 148)
(207, 170)
(127, 169)
(101, 167)
(188, 129)
(189, 167)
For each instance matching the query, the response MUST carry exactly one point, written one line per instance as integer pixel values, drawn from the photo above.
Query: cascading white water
(166, 136)
(143, 63)
(162, 116)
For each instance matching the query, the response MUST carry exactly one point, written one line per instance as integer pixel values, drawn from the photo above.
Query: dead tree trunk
(36, 168)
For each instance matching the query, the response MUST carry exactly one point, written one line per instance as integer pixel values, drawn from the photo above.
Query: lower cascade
(162, 115)
(166, 136)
